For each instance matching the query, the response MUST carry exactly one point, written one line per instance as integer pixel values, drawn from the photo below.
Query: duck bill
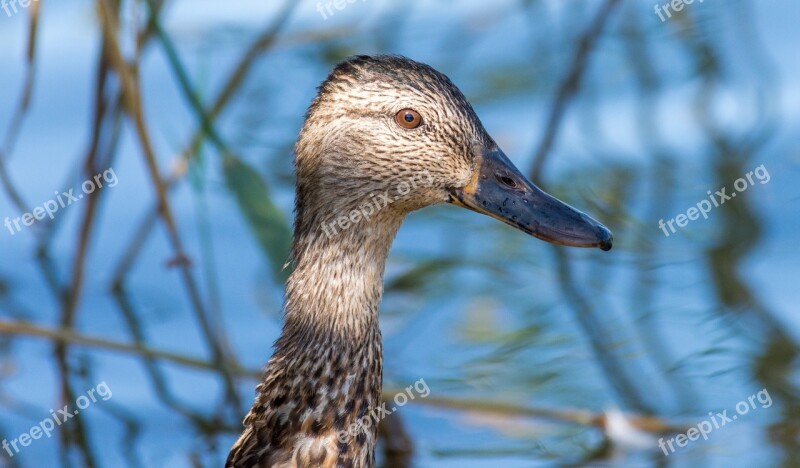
(498, 189)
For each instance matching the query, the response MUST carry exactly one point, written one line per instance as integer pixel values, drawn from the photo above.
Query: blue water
(494, 326)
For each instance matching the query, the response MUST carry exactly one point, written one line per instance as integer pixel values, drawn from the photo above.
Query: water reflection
(172, 295)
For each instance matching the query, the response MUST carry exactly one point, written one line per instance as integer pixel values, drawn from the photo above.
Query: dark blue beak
(499, 190)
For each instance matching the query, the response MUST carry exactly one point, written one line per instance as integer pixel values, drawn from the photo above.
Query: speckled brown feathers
(326, 371)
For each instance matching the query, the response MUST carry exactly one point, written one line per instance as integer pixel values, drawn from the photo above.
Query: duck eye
(408, 118)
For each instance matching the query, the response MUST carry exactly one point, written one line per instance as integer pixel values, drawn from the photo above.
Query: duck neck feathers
(326, 372)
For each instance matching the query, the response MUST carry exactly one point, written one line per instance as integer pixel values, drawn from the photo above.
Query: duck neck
(327, 369)
(336, 287)
(331, 349)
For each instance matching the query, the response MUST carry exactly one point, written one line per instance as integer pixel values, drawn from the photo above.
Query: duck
(384, 136)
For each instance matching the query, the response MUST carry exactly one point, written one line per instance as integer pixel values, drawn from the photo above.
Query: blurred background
(532, 353)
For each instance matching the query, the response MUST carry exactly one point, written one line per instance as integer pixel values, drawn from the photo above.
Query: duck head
(388, 135)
